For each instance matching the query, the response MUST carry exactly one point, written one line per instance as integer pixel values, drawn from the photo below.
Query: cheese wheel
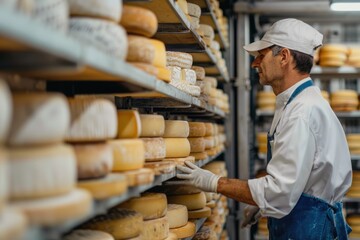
(120, 223)
(39, 118)
(161, 167)
(112, 185)
(209, 197)
(53, 13)
(138, 20)
(194, 10)
(4, 180)
(164, 74)
(56, 210)
(197, 129)
(129, 154)
(175, 74)
(91, 120)
(150, 205)
(93, 160)
(211, 80)
(142, 49)
(28, 178)
(148, 68)
(106, 36)
(179, 59)
(209, 142)
(183, 6)
(197, 144)
(209, 129)
(181, 161)
(13, 224)
(172, 236)
(6, 110)
(331, 63)
(334, 48)
(155, 229)
(188, 76)
(333, 56)
(177, 147)
(201, 213)
(353, 137)
(203, 233)
(191, 201)
(152, 125)
(107, 9)
(176, 129)
(174, 188)
(155, 149)
(177, 215)
(80, 234)
(139, 177)
(200, 72)
(194, 22)
(186, 231)
(199, 156)
(129, 124)
(208, 31)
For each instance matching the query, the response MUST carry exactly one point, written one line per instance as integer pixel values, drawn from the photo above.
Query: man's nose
(255, 63)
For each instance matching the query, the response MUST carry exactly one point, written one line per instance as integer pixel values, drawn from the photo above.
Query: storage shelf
(353, 114)
(351, 199)
(355, 157)
(335, 72)
(101, 207)
(77, 64)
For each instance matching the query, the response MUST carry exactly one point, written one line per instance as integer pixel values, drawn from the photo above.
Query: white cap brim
(254, 48)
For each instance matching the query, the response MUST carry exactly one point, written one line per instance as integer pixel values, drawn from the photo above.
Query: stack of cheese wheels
(211, 141)
(83, 234)
(42, 169)
(144, 53)
(266, 100)
(212, 82)
(354, 57)
(261, 138)
(120, 223)
(153, 208)
(178, 220)
(344, 101)
(262, 227)
(197, 141)
(354, 221)
(13, 223)
(182, 76)
(222, 137)
(354, 190)
(93, 122)
(207, 33)
(325, 95)
(53, 13)
(217, 219)
(194, 15)
(129, 151)
(354, 143)
(98, 26)
(333, 55)
(205, 89)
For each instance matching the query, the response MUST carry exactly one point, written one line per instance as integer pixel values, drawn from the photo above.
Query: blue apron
(312, 218)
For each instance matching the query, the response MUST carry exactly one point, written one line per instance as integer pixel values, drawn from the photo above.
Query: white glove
(251, 216)
(200, 178)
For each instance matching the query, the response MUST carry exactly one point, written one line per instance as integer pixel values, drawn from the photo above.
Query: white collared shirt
(309, 154)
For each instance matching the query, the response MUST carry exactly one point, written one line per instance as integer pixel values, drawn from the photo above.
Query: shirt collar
(282, 98)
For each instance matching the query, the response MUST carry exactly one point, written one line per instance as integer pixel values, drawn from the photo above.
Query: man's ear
(285, 56)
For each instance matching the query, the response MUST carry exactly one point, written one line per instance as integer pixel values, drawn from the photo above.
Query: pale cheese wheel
(177, 147)
(53, 13)
(209, 142)
(93, 160)
(176, 129)
(4, 180)
(150, 205)
(38, 118)
(200, 213)
(6, 110)
(155, 149)
(152, 125)
(208, 31)
(28, 178)
(211, 80)
(186, 231)
(142, 49)
(175, 74)
(188, 76)
(56, 210)
(120, 223)
(106, 36)
(199, 155)
(200, 72)
(129, 154)
(155, 229)
(209, 129)
(207, 40)
(211, 204)
(91, 120)
(139, 177)
(81, 234)
(107, 9)
(13, 224)
(177, 215)
(129, 124)
(183, 6)
(215, 45)
(161, 167)
(194, 10)
(194, 22)
(197, 129)
(179, 59)
(138, 20)
(191, 201)
(197, 144)
(112, 185)
(194, 90)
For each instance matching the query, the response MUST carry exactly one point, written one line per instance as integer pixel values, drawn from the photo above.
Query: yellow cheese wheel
(148, 68)
(333, 48)
(138, 20)
(197, 129)
(177, 215)
(177, 147)
(152, 125)
(197, 144)
(81, 234)
(161, 167)
(129, 124)
(181, 161)
(191, 201)
(129, 154)
(186, 231)
(200, 213)
(199, 155)
(139, 177)
(164, 74)
(209, 129)
(6, 110)
(176, 129)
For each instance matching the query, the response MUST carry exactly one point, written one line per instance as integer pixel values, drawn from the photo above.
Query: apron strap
(335, 214)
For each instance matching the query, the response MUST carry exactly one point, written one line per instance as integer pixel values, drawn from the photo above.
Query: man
(309, 168)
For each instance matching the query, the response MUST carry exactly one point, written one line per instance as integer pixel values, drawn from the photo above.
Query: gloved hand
(200, 178)
(251, 216)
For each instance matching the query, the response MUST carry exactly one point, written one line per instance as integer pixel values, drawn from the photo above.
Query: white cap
(290, 33)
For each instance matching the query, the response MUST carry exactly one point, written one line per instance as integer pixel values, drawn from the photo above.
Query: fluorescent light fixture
(345, 5)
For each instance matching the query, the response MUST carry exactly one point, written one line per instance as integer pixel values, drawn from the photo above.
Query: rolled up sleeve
(288, 171)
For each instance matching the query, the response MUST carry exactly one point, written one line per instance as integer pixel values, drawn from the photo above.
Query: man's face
(268, 66)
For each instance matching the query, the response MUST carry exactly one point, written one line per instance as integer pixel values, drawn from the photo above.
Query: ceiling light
(345, 5)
